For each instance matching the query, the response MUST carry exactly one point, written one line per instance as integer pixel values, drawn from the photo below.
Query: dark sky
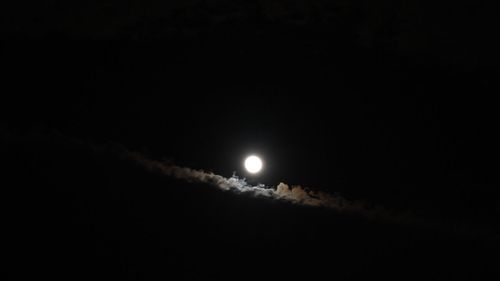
(377, 100)
(390, 102)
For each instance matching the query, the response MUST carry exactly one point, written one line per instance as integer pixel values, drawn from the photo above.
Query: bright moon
(253, 164)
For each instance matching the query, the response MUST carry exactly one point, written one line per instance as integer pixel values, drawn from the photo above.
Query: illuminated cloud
(294, 194)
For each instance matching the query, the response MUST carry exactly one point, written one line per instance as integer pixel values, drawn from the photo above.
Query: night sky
(387, 103)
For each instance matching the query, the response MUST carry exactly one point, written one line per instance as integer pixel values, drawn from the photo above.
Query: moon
(253, 164)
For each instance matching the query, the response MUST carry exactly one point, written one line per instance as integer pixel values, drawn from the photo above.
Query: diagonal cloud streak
(294, 194)
(304, 196)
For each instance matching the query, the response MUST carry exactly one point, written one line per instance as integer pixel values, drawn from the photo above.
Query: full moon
(253, 164)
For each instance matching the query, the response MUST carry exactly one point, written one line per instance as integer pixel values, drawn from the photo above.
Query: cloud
(294, 194)
(299, 195)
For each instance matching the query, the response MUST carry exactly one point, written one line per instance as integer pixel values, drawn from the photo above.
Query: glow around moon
(253, 164)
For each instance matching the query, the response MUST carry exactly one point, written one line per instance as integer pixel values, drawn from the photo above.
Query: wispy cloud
(294, 194)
